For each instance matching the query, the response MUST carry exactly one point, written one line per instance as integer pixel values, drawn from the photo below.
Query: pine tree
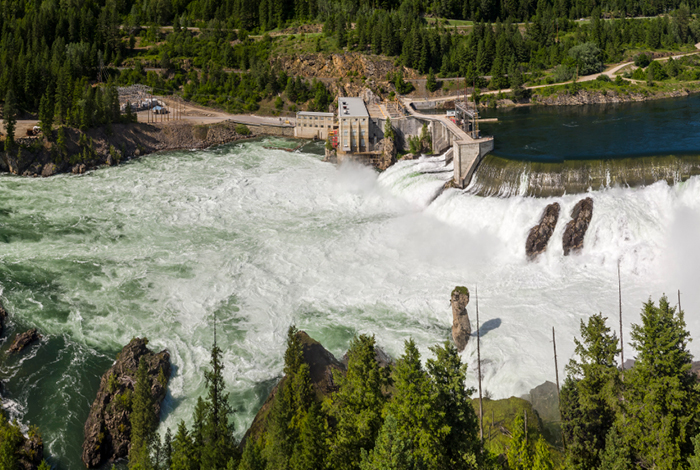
(183, 454)
(542, 460)
(661, 399)
(431, 84)
(392, 451)
(694, 459)
(518, 452)
(219, 441)
(357, 406)
(616, 455)
(451, 406)
(416, 432)
(143, 421)
(388, 129)
(10, 119)
(252, 458)
(46, 109)
(590, 394)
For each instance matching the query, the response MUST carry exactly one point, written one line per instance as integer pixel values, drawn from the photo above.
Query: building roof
(351, 107)
(314, 113)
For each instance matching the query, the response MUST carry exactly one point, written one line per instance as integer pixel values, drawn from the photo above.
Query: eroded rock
(49, 169)
(539, 235)
(23, 340)
(461, 328)
(576, 229)
(388, 155)
(3, 318)
(108, 428)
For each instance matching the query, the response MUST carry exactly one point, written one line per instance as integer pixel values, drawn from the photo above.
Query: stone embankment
(108, 427)
(540, 234)
(461, 328)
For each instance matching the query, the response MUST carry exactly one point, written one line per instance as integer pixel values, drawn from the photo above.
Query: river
(265, 238)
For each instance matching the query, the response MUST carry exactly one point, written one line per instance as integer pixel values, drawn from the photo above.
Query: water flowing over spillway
(263, 239)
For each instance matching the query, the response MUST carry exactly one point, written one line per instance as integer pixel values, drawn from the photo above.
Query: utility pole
(679, 301)
(622, 344)
(556, 371)
(478, 361)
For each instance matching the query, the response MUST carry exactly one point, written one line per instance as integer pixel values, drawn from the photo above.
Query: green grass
(450, 23)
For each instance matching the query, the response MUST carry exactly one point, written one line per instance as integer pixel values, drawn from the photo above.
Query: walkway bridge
(467, 150)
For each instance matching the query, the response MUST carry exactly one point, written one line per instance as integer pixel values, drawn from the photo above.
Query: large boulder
(540, 234)
(576, 229)
(108, 427)
(23, 340)
(461, 328)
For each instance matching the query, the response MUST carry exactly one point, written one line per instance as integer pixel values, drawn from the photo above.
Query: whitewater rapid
(263, 239)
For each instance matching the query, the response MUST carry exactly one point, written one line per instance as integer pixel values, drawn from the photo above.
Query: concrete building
(313, 125)
(353, 126)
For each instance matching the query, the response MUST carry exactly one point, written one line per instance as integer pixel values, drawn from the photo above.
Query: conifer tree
(46, 109)
(452, 407)
(183, 454)
(589, 399)
(252, 458)
(431, 84)
(542, 460)
(219, 441)
(9, 112)
(661, 397)
(357, 406)
(143, 421)
(392, 450)
(518, 452)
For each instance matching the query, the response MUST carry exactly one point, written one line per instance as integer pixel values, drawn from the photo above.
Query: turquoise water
(556, 133)
(265, 239)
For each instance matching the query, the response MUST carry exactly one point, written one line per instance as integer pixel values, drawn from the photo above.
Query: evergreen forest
(419, 414)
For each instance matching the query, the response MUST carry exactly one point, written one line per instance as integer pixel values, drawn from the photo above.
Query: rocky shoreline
(587, 97)
(101, 147)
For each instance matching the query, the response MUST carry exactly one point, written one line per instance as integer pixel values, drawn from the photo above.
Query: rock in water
(3, 318)
(540, 234)
(107, 429)
(576, 228)
(23, 340)
(461, 328)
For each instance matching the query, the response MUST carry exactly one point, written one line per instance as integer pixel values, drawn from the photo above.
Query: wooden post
(478, 361)
(679, 300)
(622, 344)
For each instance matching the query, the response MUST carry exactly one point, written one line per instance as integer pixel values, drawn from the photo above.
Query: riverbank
(102, 146)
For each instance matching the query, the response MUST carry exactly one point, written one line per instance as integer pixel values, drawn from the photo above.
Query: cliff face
(108, 430)
(322, 65)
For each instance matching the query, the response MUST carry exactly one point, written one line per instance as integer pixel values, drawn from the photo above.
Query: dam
(467, 150)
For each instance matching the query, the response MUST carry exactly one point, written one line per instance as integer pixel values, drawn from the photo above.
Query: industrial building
(353, 126)
(311, 125)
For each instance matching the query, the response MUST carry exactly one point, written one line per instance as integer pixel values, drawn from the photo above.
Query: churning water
(263, 239)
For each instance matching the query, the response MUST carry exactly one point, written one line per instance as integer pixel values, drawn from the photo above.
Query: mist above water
(264, 239)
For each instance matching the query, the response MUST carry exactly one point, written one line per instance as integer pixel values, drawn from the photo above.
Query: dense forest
(415, 414)
(47, 47)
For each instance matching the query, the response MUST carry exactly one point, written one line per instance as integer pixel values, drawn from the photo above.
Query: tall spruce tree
(219, 442)
(357, 406)
(451, 406)
(661, 396)
(590, 394)
(518, 453)
(143, 421)
(46, 109)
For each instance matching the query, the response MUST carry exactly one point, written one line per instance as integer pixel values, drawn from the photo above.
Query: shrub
(242, 129)
(603, 78)
(642, 60)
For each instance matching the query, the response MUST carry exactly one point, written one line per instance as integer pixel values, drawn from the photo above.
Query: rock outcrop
(23, 340)
(388, 155)
(540, 234)
(577, 227)
(461, 328)
(107, 429)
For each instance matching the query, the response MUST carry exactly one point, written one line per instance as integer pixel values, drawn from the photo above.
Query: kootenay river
(263, 239)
